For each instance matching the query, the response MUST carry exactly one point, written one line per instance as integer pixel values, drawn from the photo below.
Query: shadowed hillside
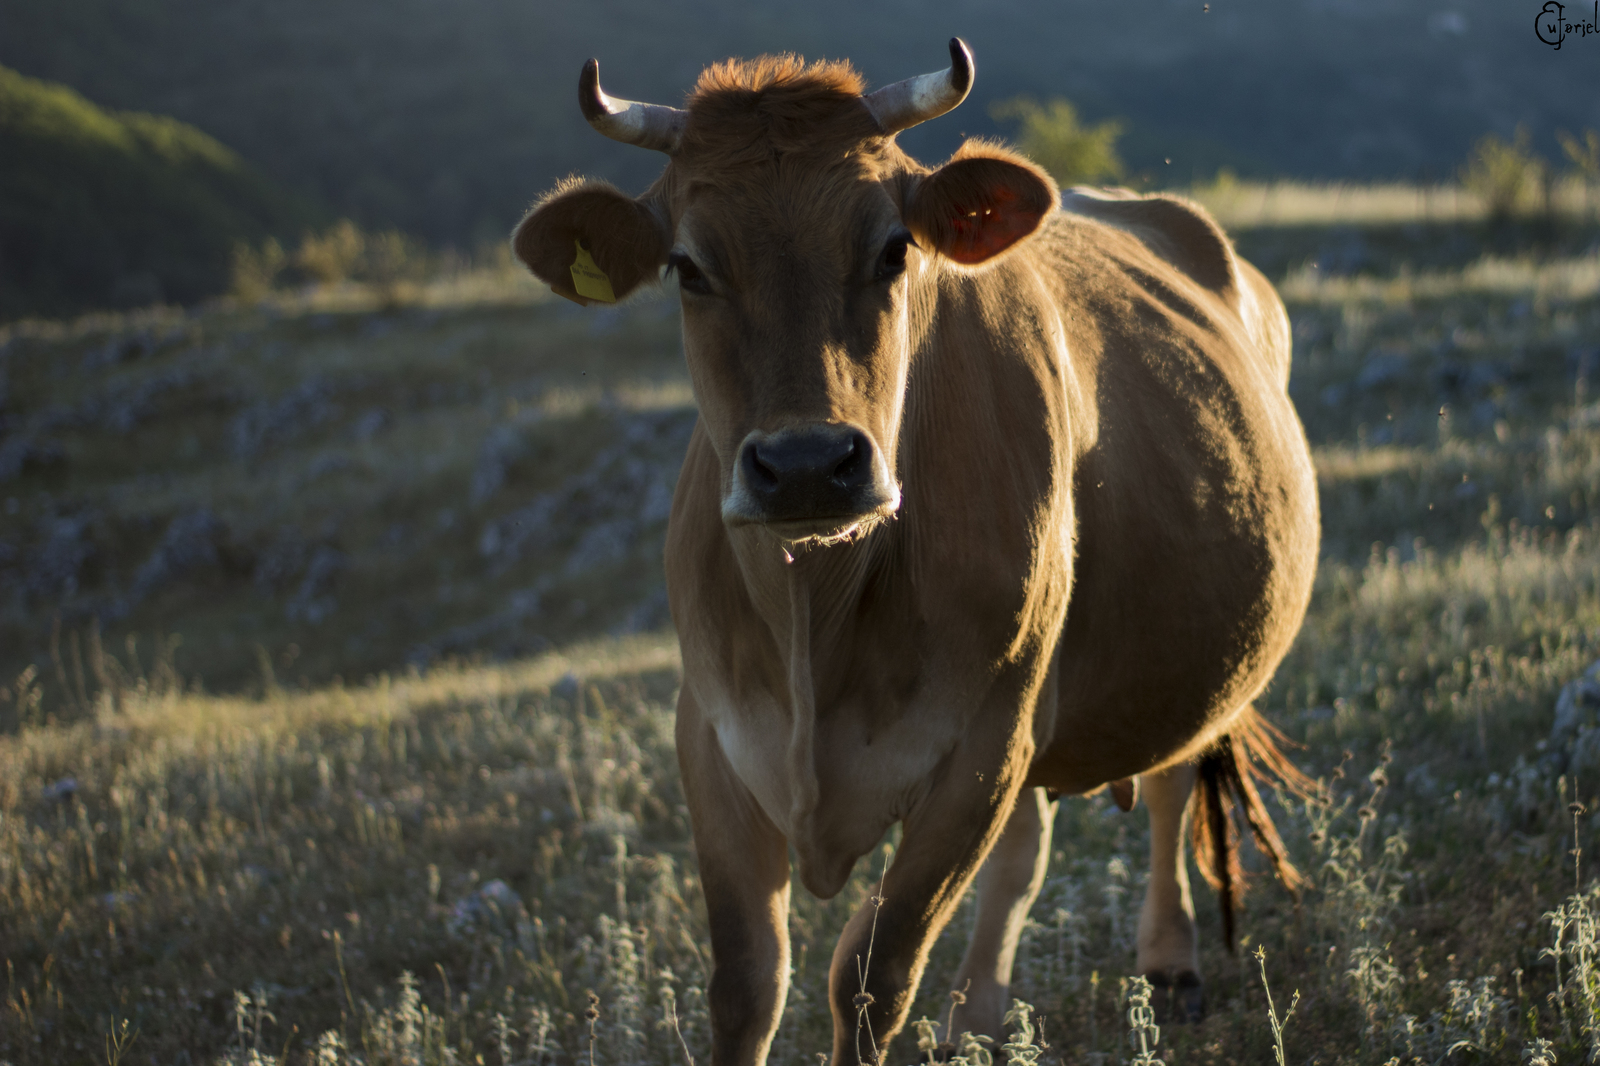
(102, 208)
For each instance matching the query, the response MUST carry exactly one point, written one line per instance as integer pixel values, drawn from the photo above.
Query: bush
(1501, 172)
(255, 271)
(1050, 134)
(390, 261)
(331, 257)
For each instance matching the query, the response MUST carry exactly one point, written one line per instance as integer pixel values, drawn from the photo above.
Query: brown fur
(745, 113)
(1104, 540)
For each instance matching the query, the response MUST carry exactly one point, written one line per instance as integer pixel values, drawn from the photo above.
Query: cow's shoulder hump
(1178, 231)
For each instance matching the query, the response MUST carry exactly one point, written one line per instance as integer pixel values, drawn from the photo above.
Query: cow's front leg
(744, 873)
(880, 956)
(1168, 951)
(1006, 886)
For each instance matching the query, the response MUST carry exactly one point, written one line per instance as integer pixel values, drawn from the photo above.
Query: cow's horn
(646, 125)
(906, 103)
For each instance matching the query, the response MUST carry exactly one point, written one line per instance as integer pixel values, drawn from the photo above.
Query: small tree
(1050, 134)
(1501, 172)
(1585, 157)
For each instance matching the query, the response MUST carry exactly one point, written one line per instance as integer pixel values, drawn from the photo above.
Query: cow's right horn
(906, 103)
(646, 125)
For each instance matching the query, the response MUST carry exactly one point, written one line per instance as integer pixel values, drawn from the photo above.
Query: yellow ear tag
(589, 279)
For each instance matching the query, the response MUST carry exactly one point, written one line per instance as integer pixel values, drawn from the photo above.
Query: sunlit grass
(438, 863)
(1564, 279)
(1245, 204)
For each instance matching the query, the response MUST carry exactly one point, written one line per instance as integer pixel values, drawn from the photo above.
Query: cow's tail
(1228, 772)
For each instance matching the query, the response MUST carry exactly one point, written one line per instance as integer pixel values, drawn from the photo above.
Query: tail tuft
(1228, 772)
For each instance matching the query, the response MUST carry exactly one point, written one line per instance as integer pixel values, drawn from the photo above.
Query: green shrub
(1052, 136)
(1502, 172)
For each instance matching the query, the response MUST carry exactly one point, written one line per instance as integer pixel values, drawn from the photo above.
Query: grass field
(339, 727)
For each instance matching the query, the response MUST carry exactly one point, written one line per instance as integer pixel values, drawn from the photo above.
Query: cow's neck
(808, 597)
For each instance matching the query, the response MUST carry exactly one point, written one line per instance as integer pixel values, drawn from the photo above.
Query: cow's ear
(979, 204)
(589, 242)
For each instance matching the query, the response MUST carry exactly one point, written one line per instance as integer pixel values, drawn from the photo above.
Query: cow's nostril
(850, 466)
(757, 472)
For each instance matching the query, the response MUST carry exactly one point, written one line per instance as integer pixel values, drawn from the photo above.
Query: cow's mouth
(825, 532)
(820, 483)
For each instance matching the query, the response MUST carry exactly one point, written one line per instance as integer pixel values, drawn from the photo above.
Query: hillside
(237, 516)
(372, 483)
(447, 119)
(101, 208)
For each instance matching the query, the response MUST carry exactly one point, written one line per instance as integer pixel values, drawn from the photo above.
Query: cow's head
(807, 249)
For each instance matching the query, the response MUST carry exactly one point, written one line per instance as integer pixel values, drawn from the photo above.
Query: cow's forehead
(832, 214)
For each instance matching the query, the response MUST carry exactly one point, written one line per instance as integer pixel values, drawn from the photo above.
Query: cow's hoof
(1179, 997)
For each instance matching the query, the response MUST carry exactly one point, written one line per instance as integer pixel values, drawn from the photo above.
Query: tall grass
(490, 861)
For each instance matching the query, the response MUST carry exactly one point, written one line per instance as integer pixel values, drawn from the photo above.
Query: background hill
(446, 119)
(119, 209)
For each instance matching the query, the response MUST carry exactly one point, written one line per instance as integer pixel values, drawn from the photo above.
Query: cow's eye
(689, 277)
(892, 263)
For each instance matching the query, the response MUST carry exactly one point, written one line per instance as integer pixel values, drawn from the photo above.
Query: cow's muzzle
(810, 481)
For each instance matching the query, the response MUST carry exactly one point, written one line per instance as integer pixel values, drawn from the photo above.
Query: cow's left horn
(646, 125)
(906, 103)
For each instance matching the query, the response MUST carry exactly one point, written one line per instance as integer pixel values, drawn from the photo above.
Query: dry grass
(1251, 204)
(352, 484)
(437, 864)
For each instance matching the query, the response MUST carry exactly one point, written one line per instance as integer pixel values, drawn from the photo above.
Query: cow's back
(1195, 498)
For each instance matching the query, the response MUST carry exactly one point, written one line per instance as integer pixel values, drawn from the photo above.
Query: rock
(192, 541)
(127, 408)
(18, 455)
(281, 561)
(501, 631)
(314, 601)
(1577, 706)
(502, 447)
(604, 509)
(372, 422)
(1574, 739)
(271, 422)
(494, 906)
(327, 462)
(60, 791)
(119, 349)
(53, 570)
(607, 542)
(653, 612)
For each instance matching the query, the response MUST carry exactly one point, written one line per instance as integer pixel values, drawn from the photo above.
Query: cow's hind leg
(1007, 885)
(1168, 949)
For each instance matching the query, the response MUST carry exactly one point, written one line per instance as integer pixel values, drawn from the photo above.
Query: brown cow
(936, 406)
